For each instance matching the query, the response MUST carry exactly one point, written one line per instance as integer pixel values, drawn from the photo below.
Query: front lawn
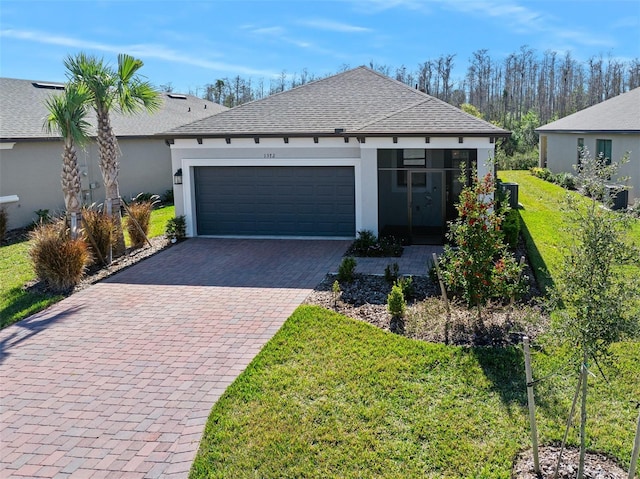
(16, 270)
(329, 396)
(544, 227)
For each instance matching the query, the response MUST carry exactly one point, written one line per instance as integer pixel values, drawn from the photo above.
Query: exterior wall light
(177, 177)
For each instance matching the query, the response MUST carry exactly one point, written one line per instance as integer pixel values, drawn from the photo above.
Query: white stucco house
(354, 151)
(31, 162)
(610, 128)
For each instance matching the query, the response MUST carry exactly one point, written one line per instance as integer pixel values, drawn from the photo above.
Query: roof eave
(587, 132)
(324, 134)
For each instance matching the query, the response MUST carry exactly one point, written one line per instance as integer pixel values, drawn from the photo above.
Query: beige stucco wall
(562, 154)
(187, 154)
(31, 170)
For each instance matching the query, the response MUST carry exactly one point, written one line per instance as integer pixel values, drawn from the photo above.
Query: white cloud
(144, 51)
(322, 24)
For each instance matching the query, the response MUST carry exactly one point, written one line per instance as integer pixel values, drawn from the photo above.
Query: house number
(269, 155)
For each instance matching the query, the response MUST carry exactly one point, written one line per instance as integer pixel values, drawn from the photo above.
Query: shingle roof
(357, 101)
(22, 112)
(618, 114)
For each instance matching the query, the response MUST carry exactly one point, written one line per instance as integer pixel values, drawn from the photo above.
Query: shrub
(58, 260)
(516, 161)
(511, 228)
(98, 229)
(407, 287)
(140, 213)
(543, 173)
(396, 304)
(145, 197)
(176, 228)
(480, 267)
(566, 180)
(634, 210)
(167, 197)
(391, 273)
(346, 270)
(368, 244)
(3, 223)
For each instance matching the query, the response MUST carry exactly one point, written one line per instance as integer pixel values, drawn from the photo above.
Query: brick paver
(118, 380)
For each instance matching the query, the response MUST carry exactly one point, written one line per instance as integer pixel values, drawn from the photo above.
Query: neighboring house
(354, 151)
(610, 128)
(31, 161)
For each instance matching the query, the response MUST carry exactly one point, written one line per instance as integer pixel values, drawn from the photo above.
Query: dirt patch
(597, 466)
(426, 319)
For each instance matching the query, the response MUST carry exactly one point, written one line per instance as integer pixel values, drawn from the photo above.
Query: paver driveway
(118, 380)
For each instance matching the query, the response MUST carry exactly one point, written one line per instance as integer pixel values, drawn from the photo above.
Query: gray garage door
(275, 201)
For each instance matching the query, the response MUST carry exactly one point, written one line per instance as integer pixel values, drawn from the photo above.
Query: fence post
(108, 204)
(532, 405)
(636, 450)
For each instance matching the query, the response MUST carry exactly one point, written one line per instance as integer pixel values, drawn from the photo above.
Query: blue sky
(192, 43)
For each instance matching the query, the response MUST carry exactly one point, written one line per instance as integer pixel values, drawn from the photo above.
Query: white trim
(7, 146)
(188, 190)
(450, 143)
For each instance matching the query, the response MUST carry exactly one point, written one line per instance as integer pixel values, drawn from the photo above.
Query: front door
(426, 206)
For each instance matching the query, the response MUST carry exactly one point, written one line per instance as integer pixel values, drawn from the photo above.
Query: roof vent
(176, 96)
(48, 86)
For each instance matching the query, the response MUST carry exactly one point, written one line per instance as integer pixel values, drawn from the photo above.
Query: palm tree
(123, 90)
(67, 116)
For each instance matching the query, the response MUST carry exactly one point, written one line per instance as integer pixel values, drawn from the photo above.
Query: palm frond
(68, 112)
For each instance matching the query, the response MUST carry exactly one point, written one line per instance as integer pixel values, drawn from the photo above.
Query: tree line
(548, 85)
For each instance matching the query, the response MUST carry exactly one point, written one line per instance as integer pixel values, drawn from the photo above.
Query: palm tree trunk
(109, 166)
(71, 183)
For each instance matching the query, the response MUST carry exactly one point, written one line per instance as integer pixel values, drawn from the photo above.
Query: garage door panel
(275, 201)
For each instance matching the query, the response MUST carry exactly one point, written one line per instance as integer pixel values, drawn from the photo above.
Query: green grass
(333, 397)
(16, 270)
(544, 227)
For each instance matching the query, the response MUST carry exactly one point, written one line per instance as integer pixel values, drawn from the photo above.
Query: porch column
(367, 203)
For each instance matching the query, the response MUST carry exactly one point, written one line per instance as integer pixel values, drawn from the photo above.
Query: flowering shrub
(479, 267)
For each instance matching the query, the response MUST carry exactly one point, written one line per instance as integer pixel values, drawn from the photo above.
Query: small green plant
(391, 272)
(396, 304)
(44, 217)
(346, 270)
(137, 222)
(99, 232)
(335, 291)
(176, 228)
(3, 223)
(511, 228)
(57, 259)
(407, 286)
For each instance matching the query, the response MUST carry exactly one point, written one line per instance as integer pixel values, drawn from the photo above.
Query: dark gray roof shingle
(357, 101)
(618, 114)
(22, 113)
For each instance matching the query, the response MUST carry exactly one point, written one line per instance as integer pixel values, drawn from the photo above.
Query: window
(603, 147)
(411, 158)
(580, 148)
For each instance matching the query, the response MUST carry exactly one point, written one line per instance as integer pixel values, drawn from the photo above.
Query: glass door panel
(425, 195)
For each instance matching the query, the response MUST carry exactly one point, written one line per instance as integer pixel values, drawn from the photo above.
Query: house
(610, 128)
(354, 151)
(31, 162)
